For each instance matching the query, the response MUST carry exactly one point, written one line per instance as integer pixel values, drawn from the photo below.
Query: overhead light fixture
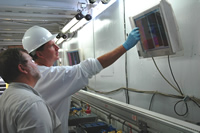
(105, 1)
(69, 25)
(92, 1)
(81, 23)
(75, 20)
(78, 25)
(88, 17)
(61, 35)
(79, 16)
(59, 41)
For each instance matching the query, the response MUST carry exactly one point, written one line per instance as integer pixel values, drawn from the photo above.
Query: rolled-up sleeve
(90, 67)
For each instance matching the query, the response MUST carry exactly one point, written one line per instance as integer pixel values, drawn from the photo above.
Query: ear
(39, 54)
(22, 69)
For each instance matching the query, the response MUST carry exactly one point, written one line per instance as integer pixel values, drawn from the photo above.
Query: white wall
(185, 68)
(106, 32)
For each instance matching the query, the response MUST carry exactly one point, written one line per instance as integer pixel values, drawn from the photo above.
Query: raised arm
(110, 57)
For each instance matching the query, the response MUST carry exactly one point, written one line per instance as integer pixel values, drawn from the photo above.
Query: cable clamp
(186, 98)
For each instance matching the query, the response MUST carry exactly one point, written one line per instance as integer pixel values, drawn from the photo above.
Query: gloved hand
(132, 39)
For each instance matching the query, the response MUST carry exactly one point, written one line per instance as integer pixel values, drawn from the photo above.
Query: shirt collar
(17, 85)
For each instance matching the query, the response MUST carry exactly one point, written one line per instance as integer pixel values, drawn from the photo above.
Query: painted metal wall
(106, 32)
(185, 68)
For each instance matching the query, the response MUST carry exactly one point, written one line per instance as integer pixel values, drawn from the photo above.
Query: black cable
(173, 76)
(179, 90)
(151, 101)
(126, 90)
(196, 103)
(123, 125)
(126, 72)
(165, 77)
(185, 106)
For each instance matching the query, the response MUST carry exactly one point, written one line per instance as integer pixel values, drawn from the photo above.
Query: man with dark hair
(22, 110)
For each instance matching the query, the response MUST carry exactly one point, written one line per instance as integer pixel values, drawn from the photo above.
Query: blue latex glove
(132, 39)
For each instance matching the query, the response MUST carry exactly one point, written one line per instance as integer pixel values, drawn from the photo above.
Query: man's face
(31, 67)
(50, 52)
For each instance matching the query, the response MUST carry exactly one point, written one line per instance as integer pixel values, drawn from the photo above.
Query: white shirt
(58, 83)
(22, 110)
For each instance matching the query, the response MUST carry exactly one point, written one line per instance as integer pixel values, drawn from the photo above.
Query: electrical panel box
(73, 57)
(159, 31)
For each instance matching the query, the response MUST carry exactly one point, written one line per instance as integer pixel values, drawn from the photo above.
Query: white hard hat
(35, 37)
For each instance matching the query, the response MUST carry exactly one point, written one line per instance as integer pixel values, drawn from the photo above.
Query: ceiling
(16, 16)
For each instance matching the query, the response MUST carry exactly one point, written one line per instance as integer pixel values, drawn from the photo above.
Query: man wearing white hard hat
(58, 83)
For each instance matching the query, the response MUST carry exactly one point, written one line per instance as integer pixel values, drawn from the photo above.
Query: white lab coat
(58, 83)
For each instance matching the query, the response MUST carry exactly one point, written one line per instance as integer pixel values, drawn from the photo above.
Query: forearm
(110, 57)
